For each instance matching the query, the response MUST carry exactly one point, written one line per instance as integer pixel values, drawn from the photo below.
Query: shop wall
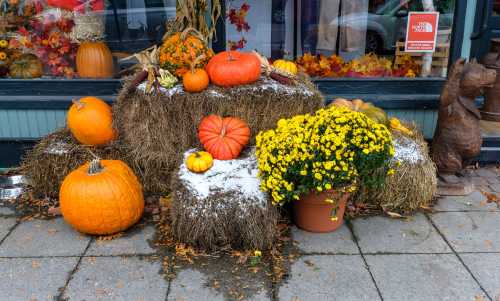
(33, 124)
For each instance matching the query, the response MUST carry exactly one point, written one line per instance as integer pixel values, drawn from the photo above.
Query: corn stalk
(191, 13)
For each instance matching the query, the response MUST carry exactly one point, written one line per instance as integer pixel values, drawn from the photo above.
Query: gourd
(286, 66)
(396, 125)
(26, 66)
(199, 162)
(101, 197)
(94, 60)
(90, 121)
(233, 68)
(4, 63)
(223, 138)
(180, 50)
(374, 113)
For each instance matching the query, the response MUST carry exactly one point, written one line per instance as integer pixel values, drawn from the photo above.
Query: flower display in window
(47, 36)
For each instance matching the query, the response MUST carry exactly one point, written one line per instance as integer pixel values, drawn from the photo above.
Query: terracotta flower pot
(315, 214)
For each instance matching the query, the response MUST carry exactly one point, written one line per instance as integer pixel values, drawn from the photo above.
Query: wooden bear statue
(458, 134)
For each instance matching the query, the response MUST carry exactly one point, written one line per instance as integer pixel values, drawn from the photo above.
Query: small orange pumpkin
(195, 81)
(101, 197)
(94, 60)
(233, 68)
(223, 138)
(90, 121)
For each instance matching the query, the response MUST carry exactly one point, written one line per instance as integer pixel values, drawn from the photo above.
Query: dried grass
(54, 157)
(223, 224)
(156, 129)
(411, 187)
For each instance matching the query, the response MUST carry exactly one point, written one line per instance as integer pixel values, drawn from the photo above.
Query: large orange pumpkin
(94, 60)
(90, 121)
(223, 138)
(101, 197)
(233, 68)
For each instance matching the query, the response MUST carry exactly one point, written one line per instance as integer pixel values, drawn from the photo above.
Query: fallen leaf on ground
(54, 210)
(35, 264)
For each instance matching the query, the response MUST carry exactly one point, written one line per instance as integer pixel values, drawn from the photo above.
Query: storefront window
(77, 38)
(341, 38)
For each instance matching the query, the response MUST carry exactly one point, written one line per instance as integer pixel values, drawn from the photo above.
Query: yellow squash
(199, 162)
(286, 66)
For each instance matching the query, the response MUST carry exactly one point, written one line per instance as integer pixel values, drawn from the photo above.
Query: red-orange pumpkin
(233, 68)
(223, 138)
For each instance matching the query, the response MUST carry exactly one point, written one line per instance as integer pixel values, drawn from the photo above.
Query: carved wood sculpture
(458, 135)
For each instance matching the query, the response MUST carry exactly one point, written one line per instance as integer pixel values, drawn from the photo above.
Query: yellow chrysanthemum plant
(335, 148)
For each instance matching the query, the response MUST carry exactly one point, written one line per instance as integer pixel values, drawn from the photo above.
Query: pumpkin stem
(196, 61)
(79, 105)
(95, 167)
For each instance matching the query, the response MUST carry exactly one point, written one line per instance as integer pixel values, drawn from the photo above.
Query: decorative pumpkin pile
(222, 138)
(374, 113)
(104, 196)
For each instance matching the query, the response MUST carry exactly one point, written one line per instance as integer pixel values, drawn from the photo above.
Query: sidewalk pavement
(450, 254)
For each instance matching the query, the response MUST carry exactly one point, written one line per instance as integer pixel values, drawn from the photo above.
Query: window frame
(386, 92)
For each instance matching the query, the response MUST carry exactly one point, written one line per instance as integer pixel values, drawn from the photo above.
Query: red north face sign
(421, 31)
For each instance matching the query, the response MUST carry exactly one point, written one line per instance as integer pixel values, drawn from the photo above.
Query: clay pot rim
(336, 194)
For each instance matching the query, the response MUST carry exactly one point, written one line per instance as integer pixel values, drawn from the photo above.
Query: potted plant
(315, 161)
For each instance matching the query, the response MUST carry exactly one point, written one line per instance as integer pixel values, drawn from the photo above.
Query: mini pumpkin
(233, 68)
(286, 66)
(90, 121)
(26, 66)
(223, 138)
(195, 81)
(199, 162)
(4, 43)
(101, 197)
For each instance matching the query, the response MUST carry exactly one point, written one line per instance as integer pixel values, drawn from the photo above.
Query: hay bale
(413, 185)
(223, 206)
(54, 157)
(157, 129)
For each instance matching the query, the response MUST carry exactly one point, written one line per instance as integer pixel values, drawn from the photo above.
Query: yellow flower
(303, 172)
(318, 176)
(390, 172)
(257, 253)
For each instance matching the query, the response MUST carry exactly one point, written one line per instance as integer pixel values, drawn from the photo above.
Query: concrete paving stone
(133, 242)
(329, 277)
(34, 278)
(475, 201)
(192, 285)
(486, 173)
(44, 238)
(495, 180)
(6, 211)
(382, 234)
(425, 277)
(495, 187)
(117, 278)
(6, 223)
(479, 181)
(470, 231)
(486, 268)
(339, 241)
